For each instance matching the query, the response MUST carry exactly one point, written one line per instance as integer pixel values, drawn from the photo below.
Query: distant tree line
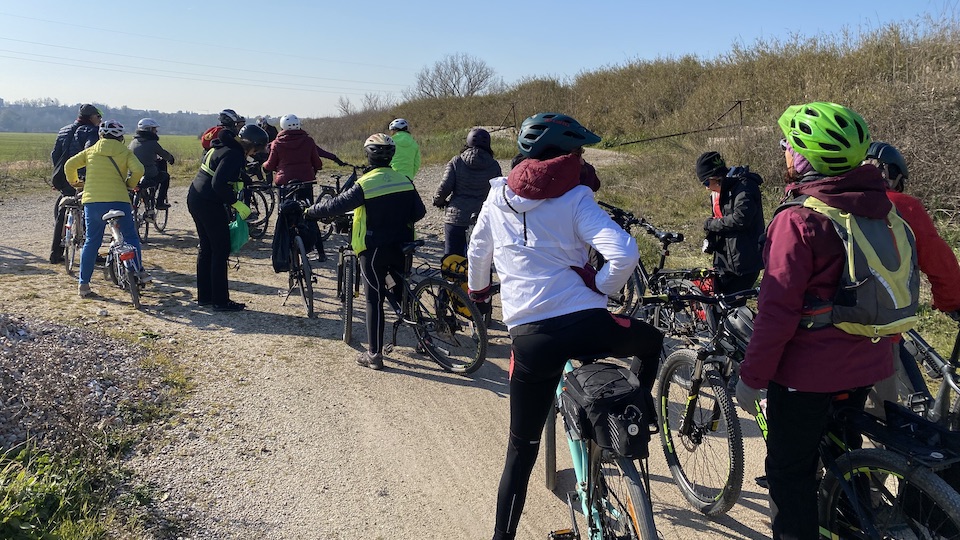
(47, 115)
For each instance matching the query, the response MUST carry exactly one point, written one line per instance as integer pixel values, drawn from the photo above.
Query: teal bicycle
(613, 493)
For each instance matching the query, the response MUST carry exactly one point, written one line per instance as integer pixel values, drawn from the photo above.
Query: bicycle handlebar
(626, 219)
(725, 301)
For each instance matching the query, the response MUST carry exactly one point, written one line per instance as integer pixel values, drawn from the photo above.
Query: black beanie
(710, 165)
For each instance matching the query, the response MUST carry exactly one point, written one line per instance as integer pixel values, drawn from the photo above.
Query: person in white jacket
(536, 225)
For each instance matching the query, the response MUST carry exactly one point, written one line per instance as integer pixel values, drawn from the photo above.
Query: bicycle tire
(925, 506)
(160, 219)
(622, 503)
(69, 244)
(683, 323)
(550, 447)
(455, 341)
(258, 204)
(301, 275)
(710, 487)
(326, 229)
(626, 301)
(348, 269)
(133, 287)
(110, 270)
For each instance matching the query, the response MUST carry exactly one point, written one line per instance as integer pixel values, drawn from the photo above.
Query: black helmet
(891, 161)
(478, 138)
(545, 131)
(380, 149)
(229, 118)
(255, 135)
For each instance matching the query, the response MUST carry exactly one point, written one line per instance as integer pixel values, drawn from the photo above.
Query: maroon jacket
(294, 157)
(804, 257)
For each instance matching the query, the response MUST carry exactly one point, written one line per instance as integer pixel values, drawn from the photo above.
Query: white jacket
(533, 244)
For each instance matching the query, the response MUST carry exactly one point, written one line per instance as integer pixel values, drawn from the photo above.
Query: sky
(304, 56)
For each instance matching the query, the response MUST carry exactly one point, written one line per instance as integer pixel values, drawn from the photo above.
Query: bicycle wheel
(66, 239)
(139, 216)
(682, 323)
(902, 500)
(301, 275)
(622, 503)
(627, 299)
(258, 204)
(160, 219)
(449, 326)
(110, 269)
(133, 285)
(701, 434)
(326, 229)
(346, 279)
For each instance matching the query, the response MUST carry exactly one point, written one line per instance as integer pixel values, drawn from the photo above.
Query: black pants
(213, 230)
(60, 218)
(731, 283)
(455, 239)
(375, 264)
(796, 422)
(163, 185)
(539, 353)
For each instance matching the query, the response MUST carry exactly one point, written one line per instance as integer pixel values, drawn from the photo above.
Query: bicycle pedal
(562, 534)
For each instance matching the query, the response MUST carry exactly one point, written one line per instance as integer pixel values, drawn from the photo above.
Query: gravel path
(284, 437)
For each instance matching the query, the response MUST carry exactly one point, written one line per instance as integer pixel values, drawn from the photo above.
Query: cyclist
(72, 138)
(535, 227)
(212, 193)
(295, 158)
(735, 237)
(228, 127)
(146, 146)
(386, 205)
(804, 368)
(407, 159)
(935, 259)
(112, 169)
(464, 187)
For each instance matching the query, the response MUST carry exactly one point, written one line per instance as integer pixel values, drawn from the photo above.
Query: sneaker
(229, 306)
(144, 276)
(163, 206)
(372, 362)
(84, 290)
(762, 482)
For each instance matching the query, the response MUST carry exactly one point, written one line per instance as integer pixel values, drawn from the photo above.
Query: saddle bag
(605, 402)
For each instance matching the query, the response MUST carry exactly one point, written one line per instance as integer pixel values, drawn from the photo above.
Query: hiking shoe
(372, 362)
(762, 482)
(84, 290)
(163, 206)
(144, 276)
(229, 306)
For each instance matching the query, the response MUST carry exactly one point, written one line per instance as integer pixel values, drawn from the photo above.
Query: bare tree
(344, 106)
(373, 102)
(456, 75)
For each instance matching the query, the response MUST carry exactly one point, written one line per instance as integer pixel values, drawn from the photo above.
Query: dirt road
(285, 437)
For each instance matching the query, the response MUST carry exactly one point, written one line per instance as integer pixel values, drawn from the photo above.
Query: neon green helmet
(833, 138)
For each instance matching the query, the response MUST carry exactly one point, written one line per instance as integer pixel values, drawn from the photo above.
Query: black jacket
(737, 238)
(220, 168)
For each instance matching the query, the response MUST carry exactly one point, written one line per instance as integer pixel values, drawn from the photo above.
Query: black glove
(339, 161)
(589, 276)
(171, 160)
(481, 296)
(439, 203)
(706, 224)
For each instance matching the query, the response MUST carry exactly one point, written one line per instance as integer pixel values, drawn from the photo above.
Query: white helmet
(398, 125)
(111, 128)
(289, 121)
(147, 123)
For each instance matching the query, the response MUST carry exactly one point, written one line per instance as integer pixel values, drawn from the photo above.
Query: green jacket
(407, 159)
(104, 183)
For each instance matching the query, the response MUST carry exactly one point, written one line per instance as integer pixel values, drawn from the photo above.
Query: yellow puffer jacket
(104, 183)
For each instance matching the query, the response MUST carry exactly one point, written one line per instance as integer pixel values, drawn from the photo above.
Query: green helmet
(833, 138)
(544, 131)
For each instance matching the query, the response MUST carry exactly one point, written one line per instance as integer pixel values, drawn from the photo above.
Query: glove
(589, 276)
(307, 214)
(479, 297)
(439, 203)
(339, 161)
(242, 210)
(747, 397)
(706, 224)
(172, 160)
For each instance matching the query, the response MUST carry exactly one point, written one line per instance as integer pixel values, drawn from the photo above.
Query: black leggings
(539, 353)
(375, 263)
(213, 230)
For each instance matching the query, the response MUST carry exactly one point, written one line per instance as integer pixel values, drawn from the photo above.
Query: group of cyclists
(535, 226)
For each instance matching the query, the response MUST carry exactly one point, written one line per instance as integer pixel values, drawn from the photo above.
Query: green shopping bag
(239, 235)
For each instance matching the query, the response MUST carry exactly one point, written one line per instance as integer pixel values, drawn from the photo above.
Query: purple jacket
(804, 257)
(294, 157)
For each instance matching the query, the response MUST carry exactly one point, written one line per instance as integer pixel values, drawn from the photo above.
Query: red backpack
(206, 140)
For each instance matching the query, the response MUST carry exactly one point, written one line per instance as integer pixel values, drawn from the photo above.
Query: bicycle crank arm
(572, 533)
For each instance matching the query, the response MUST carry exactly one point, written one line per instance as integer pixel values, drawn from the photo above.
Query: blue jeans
(93, 218)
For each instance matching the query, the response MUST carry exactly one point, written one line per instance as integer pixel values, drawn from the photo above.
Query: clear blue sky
(292, 56)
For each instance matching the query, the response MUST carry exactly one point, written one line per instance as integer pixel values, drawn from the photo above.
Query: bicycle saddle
(113, 214)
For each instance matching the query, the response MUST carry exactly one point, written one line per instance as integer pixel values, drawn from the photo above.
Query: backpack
(206, 140)
(879, 291)
(605, 402)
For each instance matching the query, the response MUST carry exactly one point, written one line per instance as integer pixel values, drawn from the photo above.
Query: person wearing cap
(406, 161)
(735, 233)
(146, 146)
(386, 205)
(71, 139)
(463, 189)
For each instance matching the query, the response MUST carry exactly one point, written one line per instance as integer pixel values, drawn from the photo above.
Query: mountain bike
(300, 275)
(261, 198)
(424, 301)
(348, 287)
(613, 493)
(121, 263)
(944, 408)
(145, 211)
(700, 430)
(342, 223)
(74, 233)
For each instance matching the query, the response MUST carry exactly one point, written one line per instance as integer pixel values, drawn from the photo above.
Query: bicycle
(121, 263)
(145, 211)
(613, 493)
(943, 409)
(427, 303)
(300, 275)
(74, 233)
(261, 198)
(348, 287)
(342, 223)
